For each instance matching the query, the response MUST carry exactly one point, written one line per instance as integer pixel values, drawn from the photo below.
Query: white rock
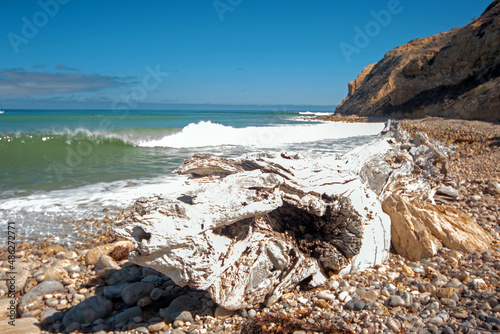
(333, 284)
(303, 300)
(343, 296)
(326, 295)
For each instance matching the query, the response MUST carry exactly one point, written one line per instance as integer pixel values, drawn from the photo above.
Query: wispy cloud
(38, 66)
(66, 68)
(17, 82)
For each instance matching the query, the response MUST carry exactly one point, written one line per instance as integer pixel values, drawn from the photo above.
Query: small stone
(22, 276)
(93, 308)
(437, 321)
(454, 283)
(155, 279)
(332, 285)
(343, 296)
(142, 330)
(457, 255)
(78, 296)
(448, 302)
(144, 301)
(156, 294)
(177, 331)
(462, 314)
(187, 316)
(132, 293)
(355, 304)
(447, 330)
(106, 266)
(303, 300)
(439, 281)
(72, 268)
(408, 271)
(493, 320)
(475, 198)
(445, 292)
(114, 291)
(494, 188)
(68, 281)
(395, 301)
(94, 254)
(434, 306)
(426, 287)
(371, 295)
(391, 288)
(46, 287)
(407, 298)
(51, 316)
(252, 313)
(448, 192)
(385, 293)
(177, 324)
(52, 302)
(125, 315)
(182, 303)
(321, 303)
(326, 295)
(478, 283)
(125, 275)
(153, 328)
(393, 325)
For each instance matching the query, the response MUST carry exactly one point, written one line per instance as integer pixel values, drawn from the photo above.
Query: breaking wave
(310, 113)
(213, 134)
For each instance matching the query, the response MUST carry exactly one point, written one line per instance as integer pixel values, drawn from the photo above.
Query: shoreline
(369, 301)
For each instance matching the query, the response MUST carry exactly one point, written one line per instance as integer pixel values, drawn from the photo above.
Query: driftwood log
(248, 230)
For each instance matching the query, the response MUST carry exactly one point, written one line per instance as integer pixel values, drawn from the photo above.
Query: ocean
(62, 169)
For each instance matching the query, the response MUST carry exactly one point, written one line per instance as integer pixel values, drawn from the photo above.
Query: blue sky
(161, 53)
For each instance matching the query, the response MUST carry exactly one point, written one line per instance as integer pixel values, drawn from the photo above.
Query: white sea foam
(310, 113)
(56, 212)
(213, 134)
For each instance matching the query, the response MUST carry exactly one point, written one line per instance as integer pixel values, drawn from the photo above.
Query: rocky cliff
(453, 74)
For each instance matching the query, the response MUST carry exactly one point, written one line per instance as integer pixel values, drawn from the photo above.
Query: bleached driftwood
(250, 229)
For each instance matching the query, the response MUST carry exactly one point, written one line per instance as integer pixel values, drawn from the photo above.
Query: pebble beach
(93, 288)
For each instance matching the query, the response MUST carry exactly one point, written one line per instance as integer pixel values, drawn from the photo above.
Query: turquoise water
(48, 150)
(61, 167)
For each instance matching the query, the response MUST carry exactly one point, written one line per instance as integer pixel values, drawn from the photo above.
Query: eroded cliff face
(453, 74)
